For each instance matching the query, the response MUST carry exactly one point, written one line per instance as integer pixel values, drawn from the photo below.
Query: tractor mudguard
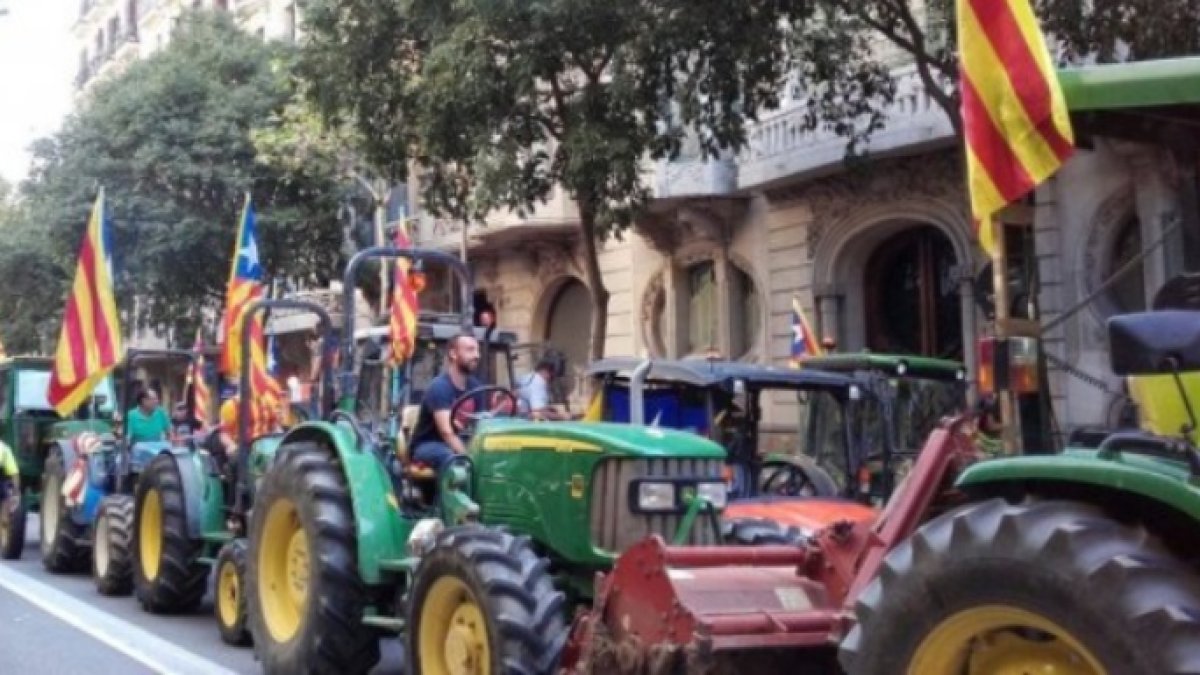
(1162, 481)
(381, 533)
(202, 492)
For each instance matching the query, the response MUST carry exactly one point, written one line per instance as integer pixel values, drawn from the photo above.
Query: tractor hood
(599, 437)
(57, 430)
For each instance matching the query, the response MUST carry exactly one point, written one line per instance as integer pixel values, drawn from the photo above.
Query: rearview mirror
(1152, 343)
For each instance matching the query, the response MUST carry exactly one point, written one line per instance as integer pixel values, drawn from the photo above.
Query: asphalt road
(59, 625)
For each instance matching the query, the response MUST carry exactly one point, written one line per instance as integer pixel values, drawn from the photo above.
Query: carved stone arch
(1093, 260)
(866, 226)
(547, 295)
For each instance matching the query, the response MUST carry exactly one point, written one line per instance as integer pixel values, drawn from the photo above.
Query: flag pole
(1010, 429)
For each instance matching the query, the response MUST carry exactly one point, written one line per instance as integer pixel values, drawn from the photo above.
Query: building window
(1128, 294)
(913, 305)
(716, 308)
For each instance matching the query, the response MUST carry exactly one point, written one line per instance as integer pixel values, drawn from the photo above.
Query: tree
(32, 279)
(170, 141)
(1106, 30)
(500, 103)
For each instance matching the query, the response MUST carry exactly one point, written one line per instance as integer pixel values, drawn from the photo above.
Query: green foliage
(33, 279)
(1114, 30)
(170, 140)
(500, 103)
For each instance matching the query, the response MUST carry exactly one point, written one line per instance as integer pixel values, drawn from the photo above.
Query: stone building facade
(882, 255)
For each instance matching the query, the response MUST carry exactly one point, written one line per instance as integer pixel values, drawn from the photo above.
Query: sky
(37, 62)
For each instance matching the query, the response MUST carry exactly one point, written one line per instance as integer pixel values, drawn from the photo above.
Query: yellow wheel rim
(229, 592)
(453, 635)
(150, 528)
(283, 569)
(1002, 640)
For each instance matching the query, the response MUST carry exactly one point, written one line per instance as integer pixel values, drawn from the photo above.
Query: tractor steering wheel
(501, 403)
(796, 479)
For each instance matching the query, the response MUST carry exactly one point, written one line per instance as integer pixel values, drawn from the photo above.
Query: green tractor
(31, 427)
(192, 503)
(477, 566)
(1083, 560)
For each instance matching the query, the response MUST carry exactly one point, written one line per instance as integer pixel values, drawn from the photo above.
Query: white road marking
(132, 641)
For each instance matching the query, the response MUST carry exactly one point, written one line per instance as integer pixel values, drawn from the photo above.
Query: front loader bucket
(705, 609)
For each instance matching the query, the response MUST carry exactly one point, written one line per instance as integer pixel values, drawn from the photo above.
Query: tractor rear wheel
(303, 592)
(482, 601)
(168, 574)
(759, 532)
(1041, 586)
(12, 527)
(229, 606)
(112, 558)
(61, 536)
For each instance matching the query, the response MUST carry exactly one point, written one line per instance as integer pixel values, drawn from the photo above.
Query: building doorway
(912, 298)
(569, 326)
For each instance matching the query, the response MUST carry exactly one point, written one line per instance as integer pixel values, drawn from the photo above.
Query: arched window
(1128, 294)
(716, 308)
(912, 303)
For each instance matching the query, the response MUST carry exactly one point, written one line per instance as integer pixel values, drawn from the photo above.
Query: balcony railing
(781, 146)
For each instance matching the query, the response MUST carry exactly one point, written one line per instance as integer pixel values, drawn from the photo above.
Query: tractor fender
(1152, 482)
(192, 477)
(380, 531)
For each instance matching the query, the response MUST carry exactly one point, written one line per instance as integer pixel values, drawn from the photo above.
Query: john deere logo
(688, 493)
(577, 486)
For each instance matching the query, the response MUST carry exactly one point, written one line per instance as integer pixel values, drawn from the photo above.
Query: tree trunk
(595, 280)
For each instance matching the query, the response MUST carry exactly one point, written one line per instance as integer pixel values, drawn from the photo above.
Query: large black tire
(169, 577)
(759, 532)
(229, 603)
(303, 506)
(502, 577)
(12, 527)
(1128, 604)
(112, 552)
(62, 539)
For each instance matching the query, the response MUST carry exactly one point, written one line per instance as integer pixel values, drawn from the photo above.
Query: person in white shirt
(534, 392)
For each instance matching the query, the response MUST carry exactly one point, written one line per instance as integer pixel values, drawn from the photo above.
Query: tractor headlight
(656, 496)
(716, 494)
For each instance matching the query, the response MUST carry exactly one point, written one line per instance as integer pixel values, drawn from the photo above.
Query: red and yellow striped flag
(246, 286)
(402, 321)
(201, 395)
(89, 342)
(1018, 130)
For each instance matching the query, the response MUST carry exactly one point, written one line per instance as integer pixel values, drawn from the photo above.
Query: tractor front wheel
(12, 526)
(62, 537)
(483, 601)
(304, 595)
(230, 602)
(1042, 586)
(112, 558)
(168, 574)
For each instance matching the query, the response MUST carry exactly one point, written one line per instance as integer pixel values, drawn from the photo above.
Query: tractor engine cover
(680, 609)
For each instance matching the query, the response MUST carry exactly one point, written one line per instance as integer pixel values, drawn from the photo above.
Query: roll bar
(325, 326)
(347, 379)
(637, 385)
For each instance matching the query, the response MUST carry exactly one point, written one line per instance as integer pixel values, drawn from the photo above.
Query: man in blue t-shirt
(434, 441)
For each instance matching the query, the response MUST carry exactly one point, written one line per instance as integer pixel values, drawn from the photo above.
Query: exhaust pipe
(637, 385)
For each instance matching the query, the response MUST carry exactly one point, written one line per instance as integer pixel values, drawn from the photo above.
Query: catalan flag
(245, 287)
(89, 342)
(201, 395)
(804, 342)
(1018, 130)
(402, 322)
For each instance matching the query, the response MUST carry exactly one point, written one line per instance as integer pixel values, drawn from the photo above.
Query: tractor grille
(615, 527)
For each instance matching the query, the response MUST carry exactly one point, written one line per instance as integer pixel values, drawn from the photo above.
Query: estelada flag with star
(245, 286)
(89, 343)
(804, 342)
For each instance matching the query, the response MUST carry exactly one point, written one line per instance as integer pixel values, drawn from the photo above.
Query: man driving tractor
(435, 440)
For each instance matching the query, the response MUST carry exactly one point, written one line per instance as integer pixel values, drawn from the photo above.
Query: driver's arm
(441, 418)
